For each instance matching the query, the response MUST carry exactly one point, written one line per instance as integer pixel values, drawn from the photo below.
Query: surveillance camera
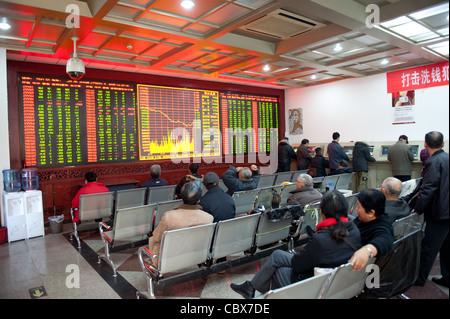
(75, 68)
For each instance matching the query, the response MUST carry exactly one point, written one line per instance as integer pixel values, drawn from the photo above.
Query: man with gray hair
(395, 207)
(305, 193)
(240, 178)
(155, 179)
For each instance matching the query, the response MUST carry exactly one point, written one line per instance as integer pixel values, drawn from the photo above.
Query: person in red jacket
(91, 187)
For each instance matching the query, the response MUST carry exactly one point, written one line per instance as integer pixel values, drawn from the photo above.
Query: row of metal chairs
(206, 244)
(344, 283)
(279, 178)
(338, 181)
(104, 205)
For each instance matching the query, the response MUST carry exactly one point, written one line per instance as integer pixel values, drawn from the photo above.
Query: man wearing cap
(216, 202)
(187, 214)
(401, 157)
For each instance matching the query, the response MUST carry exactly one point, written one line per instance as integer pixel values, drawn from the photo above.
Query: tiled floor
(49, 266)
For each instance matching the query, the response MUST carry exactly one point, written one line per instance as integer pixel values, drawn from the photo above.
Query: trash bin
(56, 223)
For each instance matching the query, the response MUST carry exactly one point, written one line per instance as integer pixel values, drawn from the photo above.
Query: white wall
(360, 110)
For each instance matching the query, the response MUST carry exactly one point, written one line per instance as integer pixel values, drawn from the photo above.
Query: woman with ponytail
(334, 242)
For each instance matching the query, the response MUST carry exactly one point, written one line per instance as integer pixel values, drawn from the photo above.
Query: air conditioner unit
(282, 24)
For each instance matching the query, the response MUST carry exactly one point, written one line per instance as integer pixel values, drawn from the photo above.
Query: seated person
(91, 186)
(193, 168)
(377, 233)
(320, 163)
(304, 193)
(343, 169)
(241, 178)
(187, 214)
(329, 246)
(216, 202)
(155, 180)
(396, 207)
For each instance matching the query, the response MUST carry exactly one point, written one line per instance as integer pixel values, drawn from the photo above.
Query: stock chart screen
(67, 122)
(178, 123)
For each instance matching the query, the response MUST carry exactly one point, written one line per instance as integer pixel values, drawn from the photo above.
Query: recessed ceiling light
(384, 61)
(337, 48)
(313, 76)
(4, 25)
(187, 4)
(266, 68)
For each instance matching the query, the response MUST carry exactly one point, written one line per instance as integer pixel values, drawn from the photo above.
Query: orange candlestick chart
(178, 123)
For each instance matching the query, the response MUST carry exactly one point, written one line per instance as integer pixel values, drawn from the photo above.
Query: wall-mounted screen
(371, 150)
(247, 122)
(178, 123)
(67, 122)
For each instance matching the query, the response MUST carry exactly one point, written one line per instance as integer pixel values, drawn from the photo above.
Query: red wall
(59, 185)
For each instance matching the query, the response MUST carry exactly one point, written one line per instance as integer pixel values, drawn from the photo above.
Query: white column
(4, 126)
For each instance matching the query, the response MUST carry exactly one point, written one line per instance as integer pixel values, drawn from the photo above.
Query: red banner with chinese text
(418, 78)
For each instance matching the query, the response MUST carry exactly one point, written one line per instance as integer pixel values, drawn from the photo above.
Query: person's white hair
(306, 179)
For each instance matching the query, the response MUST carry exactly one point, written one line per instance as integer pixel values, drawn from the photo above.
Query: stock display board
(247, 121)
(173, 122)
(67, 122)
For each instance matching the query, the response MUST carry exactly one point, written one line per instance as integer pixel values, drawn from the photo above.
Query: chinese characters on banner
(402, 84)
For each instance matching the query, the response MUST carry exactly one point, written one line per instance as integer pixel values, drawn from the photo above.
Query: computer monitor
(384, 150)
(348, 150)
(415, 149)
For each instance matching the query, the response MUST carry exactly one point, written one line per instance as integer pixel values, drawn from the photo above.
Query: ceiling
(301, 42)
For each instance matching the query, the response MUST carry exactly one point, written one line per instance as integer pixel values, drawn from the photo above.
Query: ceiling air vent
(282, 24)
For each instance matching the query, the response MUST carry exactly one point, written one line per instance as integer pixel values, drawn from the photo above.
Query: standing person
(336, 153)
(361, 155)
(432, 201)
(285, 155)
(216, 202)
(303, 157)
(401, 157)
(91, 186)
(319, 163)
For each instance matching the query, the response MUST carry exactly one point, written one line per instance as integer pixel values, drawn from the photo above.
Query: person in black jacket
(303, 157)
(285, 155)
(216, 202)
(194, 175)
(319, 163)
(330, 246)
(377, 233)
(240, 178)
(395, 207)
(361, 155)
(432, 201)
(336, 153)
